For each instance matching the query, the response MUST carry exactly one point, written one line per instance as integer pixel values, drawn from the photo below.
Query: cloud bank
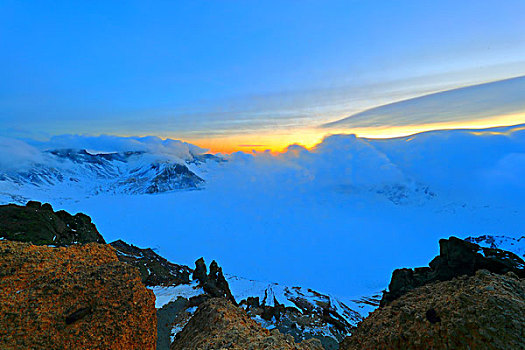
(464, 104)
(476, 162)
(110, 143)
(18, 155)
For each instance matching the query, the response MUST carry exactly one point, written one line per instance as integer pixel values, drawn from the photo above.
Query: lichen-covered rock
(484, 311)
(79, 297)
(218, 324)
(38, 224)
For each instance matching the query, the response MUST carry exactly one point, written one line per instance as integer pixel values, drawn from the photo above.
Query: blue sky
(201, 69)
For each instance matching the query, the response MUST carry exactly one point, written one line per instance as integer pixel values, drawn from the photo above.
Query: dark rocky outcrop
(483, 311)
(456, 258)
(154, 269)
(38, 224)
(305, 319)
(213, 283)
(218, 324)
(76, 297)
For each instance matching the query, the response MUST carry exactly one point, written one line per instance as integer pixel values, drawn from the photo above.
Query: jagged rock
(201, 272)
(218, 324)
(214, 283)
(79, 297)
(39, 224)
(484, 311)
(313, 315)
(456, 258)
(154, 269)
(274, 311)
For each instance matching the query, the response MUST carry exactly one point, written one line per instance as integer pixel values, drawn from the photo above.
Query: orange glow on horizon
(277, 141)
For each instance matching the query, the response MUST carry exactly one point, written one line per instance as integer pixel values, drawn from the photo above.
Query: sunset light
(263, 175)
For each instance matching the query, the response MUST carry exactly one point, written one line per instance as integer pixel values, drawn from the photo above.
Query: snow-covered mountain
(120, 166)
(78, 172)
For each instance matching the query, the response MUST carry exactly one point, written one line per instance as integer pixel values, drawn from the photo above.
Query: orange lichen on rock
(485, 311)
(79, 297)
(218, 324)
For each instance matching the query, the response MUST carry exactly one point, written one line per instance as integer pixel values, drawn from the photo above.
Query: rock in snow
(515, 245)
(154, 269)
(184, 306)
(469, 298)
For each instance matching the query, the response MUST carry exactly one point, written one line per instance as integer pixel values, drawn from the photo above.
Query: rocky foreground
(79, 297)
(485, 311)
(73, 291)
(469, 297)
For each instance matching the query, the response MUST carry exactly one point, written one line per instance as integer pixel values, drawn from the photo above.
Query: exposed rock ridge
(456, 258)
(39, 224)
(131, 172)
(154, 269)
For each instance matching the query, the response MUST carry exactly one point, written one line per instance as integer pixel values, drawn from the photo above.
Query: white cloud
(109, 143)
(18, 155)
(456, 105)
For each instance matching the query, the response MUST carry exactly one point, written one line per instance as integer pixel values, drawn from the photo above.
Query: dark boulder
(457, 257)
(198, 299)
(37, 223)
(252, 302)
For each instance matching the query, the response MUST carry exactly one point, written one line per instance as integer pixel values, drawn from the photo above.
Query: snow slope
(299, 298)
(511, 244)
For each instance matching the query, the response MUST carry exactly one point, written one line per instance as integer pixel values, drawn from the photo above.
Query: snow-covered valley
(337, 218)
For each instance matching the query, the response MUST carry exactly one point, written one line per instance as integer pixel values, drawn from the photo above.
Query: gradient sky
(240, 74)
